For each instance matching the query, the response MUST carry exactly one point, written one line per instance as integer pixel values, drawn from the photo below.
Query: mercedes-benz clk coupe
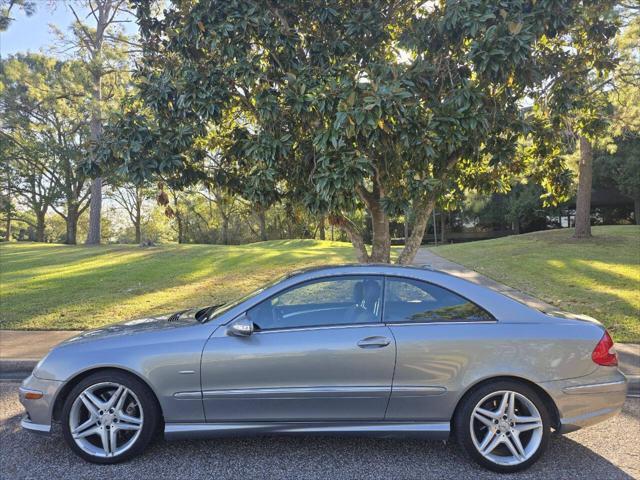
(350, 350)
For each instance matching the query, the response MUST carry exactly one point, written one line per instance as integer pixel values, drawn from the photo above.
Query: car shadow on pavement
(24, 455)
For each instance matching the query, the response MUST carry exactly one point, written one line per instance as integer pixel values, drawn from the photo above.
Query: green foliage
(324, 102)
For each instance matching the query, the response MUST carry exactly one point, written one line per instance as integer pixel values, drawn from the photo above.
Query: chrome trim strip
(187, 372)
(327, 309)
(417, 391)
(34, 427)
(478, 322)
(318, 327)
(595, 387)
(435, 430)
(188, 395)
(297, 392)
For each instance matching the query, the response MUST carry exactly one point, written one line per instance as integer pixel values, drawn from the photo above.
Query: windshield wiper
(175, 316)
(204, 314)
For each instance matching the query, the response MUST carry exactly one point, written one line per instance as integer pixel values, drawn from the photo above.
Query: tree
(341, 105)
(6, 6)
(103, 48)
(45, 124)
(622, 161)
(578, 96)
(131, 198)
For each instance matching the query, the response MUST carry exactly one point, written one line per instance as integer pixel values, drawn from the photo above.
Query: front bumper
(39, 411)
(588, 400)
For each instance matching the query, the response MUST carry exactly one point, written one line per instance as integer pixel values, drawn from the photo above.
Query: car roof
(369, 267)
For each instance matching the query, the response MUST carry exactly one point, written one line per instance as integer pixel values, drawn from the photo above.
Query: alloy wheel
(106, 419)
(506, 427)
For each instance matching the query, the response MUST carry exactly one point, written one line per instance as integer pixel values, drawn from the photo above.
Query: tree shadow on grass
(196, 275)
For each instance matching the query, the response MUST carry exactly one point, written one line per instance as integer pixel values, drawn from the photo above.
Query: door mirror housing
(241, 327)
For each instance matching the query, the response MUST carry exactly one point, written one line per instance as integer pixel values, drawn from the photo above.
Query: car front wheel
(504, 426)
(109, 417)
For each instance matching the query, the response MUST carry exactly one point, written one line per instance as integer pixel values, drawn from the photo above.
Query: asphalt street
(606, 451)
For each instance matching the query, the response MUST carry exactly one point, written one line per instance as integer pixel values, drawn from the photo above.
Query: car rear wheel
(504, 426)
(109, 417)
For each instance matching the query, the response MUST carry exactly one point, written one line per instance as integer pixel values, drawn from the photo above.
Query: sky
(33, 33)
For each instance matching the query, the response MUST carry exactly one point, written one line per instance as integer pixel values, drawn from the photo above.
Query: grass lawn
(45, 286)
(599, 277)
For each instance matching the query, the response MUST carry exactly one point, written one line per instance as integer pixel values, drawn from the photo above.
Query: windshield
(216, 312)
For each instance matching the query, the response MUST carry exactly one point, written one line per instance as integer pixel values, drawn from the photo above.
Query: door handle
(374, 342)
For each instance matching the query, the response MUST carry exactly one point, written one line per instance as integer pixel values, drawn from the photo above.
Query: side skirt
(431, 431)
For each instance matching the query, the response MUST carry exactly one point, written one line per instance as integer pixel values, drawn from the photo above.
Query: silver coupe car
(351, 350)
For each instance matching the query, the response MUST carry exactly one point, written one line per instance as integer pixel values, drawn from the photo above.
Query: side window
(334, 301)
(407, 300)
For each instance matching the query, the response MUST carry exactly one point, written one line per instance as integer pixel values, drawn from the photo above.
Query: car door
(318, 352)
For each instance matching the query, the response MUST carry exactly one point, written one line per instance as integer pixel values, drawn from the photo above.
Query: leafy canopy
(386, 104)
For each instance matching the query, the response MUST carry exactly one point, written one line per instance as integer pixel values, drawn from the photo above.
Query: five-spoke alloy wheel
(504, 426)
(109, 417)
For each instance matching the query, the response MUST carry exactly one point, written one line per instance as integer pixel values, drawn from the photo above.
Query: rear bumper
(588, 400)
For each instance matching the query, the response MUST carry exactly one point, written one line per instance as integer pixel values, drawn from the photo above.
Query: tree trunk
(583, 199)
(95, 209)
(421, 213)
(381, 241)
(225, 230)
(354, 236)
(180, 229)
(40, 226)
(381, 237)
(516, 226)
(262, 221)
(72, 224)
(95, 122)
(8, 223)
(321, 228)
(9, 212)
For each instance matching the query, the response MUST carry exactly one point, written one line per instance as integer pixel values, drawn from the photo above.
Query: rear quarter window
(409, 300)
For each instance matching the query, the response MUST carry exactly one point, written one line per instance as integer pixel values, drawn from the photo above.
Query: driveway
(607, 451)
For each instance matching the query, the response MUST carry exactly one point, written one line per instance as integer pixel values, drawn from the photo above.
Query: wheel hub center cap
(503, 425)
(107, 419)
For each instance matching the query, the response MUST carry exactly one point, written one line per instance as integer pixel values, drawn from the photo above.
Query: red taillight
(605, 352)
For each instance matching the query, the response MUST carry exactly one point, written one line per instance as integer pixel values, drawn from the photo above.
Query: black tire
(146, 398)
(462, 421)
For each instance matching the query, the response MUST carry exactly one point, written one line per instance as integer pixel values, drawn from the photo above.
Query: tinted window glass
(407, 300)
(335, 301)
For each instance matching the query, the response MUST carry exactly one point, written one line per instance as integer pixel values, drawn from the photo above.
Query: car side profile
(358, 349)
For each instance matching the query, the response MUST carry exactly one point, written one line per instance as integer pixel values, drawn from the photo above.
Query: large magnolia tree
(385, 105)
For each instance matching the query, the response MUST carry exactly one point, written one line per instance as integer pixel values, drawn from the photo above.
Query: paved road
(606, 451)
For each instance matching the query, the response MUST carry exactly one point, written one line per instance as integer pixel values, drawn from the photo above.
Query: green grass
(46, 286)
(599, 277)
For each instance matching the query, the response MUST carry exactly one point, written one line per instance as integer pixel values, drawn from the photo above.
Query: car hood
(140, 325)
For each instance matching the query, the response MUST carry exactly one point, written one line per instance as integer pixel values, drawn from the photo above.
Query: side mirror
(242, 327)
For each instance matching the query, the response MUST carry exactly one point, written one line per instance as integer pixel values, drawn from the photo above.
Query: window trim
(327, 325)
(406, 322)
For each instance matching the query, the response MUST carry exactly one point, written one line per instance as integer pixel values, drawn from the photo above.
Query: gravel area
(606, 451)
